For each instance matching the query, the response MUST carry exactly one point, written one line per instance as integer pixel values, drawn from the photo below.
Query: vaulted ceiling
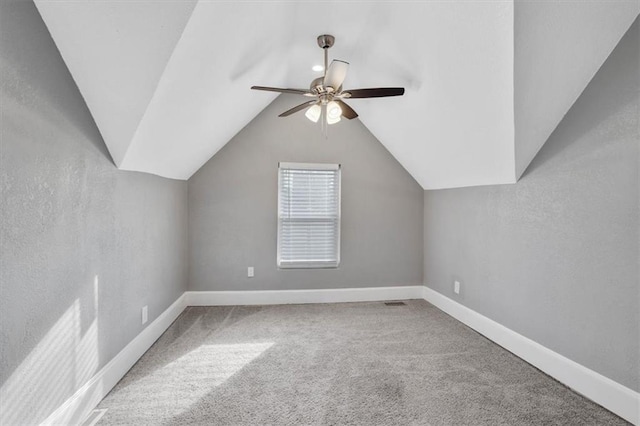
(167, 82)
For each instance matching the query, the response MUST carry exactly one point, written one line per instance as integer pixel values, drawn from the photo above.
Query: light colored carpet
(350, 363)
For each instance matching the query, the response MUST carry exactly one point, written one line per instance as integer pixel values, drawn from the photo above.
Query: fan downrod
(325, 41)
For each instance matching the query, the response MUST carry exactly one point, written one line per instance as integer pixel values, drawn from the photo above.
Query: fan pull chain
(325, 124)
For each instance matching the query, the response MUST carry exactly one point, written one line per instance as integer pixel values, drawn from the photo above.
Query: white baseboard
(611, 395)
(284, 297)
(81, 403)
(76, 408)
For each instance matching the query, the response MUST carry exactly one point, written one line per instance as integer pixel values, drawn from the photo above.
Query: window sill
(308, 265)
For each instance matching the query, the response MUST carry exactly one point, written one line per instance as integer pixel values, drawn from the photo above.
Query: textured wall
(555, 257)
(84, 246)
(233, 202)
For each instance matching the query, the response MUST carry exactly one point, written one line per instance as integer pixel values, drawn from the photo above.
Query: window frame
(309, 264)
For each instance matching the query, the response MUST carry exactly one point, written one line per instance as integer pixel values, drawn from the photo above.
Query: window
(308, 215)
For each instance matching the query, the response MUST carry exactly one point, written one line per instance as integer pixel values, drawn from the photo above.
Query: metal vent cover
(395, 303)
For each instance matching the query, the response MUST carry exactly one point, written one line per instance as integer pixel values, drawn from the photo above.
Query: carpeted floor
(350, 363)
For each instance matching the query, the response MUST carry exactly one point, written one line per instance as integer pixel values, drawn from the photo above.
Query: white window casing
(308, 215)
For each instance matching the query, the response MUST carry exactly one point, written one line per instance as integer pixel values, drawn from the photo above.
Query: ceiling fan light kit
(329, 107)
(313, 113)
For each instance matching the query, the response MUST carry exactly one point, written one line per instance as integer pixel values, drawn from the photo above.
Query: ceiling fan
(327, 93)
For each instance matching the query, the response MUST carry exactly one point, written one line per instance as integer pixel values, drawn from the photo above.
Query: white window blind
(308, 215)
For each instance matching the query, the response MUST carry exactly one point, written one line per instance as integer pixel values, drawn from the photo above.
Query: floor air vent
(395, 303)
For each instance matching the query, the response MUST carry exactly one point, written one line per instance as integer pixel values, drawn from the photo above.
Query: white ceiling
(559, 46)
(117, 52)
(168, 81)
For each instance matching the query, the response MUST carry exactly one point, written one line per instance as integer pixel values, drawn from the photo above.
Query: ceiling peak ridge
(157, 86)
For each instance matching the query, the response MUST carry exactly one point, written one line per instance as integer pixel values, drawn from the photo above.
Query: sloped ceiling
(168, 81)
(559, 47)
(117, 52)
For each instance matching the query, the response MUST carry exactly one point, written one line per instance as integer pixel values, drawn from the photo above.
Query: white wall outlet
(145, 314)
(456, 287)
(250, 272)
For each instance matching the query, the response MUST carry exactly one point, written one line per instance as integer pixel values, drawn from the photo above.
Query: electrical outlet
(250, 272)
(145, 314)
(456, 287)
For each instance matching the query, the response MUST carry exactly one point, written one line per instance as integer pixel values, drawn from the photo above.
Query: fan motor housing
(317, 86)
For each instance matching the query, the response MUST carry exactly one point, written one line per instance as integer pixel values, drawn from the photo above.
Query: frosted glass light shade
(334, 112)
(313, 113)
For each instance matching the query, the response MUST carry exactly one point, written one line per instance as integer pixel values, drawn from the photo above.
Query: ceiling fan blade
(297, 108)
(336, 73)
(378, 92)
(279, 90)
(347, 111)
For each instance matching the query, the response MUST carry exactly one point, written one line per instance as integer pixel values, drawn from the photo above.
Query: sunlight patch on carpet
(190, 377)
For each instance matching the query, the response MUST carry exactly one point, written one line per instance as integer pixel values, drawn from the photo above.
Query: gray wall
(555, 257)
(69, 216)
(233, 202)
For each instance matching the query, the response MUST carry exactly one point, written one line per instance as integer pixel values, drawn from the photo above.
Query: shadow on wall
(585, 116)
(58, 90)
(63, 361)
